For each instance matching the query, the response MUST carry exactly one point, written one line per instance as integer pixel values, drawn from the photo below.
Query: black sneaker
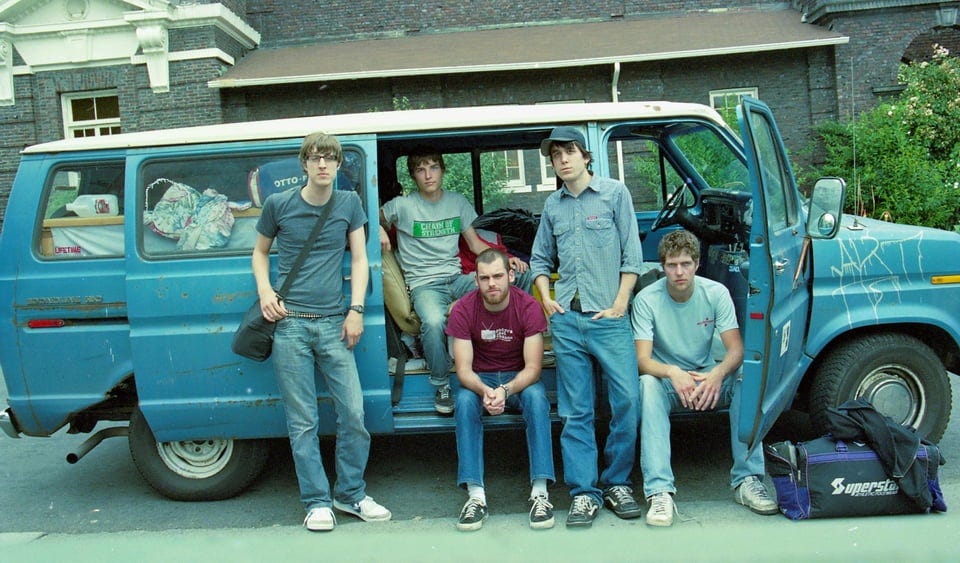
(583, 510)
(541, 513)
(443, 401)
(472, 515)
(620, 500)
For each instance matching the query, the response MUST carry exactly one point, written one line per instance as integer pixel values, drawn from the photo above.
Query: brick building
(92, 67)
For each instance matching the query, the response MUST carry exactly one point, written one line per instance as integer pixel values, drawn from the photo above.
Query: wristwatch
(506, 390)
(357, 308)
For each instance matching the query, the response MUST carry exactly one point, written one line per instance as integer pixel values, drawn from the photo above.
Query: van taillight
(45, 323)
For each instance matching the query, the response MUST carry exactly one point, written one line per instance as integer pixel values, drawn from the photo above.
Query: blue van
(127, 268)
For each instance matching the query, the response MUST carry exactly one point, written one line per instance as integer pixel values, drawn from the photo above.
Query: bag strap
(396, 349)
(307, 246)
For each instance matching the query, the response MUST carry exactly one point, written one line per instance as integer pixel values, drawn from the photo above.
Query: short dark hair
(491, 255)
(678, 242)
(421, 154)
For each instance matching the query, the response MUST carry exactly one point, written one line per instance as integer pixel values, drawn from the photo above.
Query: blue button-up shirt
(588, 239)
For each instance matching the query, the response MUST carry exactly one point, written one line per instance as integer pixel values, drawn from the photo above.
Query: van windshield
(653, 160)
(711, 158)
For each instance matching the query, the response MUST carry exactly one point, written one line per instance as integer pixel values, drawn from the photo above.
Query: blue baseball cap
(562, 134)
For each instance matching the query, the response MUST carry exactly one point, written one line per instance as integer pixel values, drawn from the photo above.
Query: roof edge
(528, 65)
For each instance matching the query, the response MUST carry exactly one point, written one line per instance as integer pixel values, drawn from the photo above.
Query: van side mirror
(826, 208)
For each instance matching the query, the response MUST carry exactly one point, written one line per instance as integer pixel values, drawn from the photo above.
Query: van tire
(900, 375)
(195, 470)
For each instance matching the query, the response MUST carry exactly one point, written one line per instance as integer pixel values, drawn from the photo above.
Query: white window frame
(548, 179)
(719, 99)
(519, 184)
(98, 125)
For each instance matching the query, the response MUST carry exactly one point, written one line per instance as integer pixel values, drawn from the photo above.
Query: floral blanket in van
(197, 221)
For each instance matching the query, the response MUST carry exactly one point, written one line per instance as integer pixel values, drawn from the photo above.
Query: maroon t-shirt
(497, 337)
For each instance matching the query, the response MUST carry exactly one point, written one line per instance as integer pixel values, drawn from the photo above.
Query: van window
(83, 214)
(529, 180)
(516, 178)
(211, 203)
(776, 184)
(638, 163)
(711, 158)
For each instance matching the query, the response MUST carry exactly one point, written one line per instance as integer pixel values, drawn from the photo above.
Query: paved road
(102, 510)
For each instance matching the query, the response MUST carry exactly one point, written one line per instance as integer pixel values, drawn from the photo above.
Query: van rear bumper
(8, 425)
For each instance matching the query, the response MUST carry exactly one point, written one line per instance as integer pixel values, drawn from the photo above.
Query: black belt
(302, 315)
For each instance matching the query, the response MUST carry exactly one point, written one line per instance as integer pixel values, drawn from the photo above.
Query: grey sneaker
(320, 519)
(620, 500)
(472, 515)
(541, 513)
(367, 510)
(753, 494)
(661, 510)
(583, 511)
(443, 401)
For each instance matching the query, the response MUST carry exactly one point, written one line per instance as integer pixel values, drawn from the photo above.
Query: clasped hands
(494, 400)
(696, 390)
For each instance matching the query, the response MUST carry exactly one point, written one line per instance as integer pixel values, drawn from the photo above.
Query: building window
(91, 114)
(726, 102)
(548, 178)
(514, 172)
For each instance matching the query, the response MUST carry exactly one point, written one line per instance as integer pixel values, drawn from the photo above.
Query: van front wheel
(898, 374)
(195, 470)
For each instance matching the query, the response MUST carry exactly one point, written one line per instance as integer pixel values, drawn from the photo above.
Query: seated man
(497, 335)
(429, 225)
(674, 321)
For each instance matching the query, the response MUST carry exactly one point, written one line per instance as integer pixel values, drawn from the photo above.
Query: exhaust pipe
(94, 441)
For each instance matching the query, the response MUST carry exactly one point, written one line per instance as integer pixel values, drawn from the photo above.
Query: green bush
(901, 160)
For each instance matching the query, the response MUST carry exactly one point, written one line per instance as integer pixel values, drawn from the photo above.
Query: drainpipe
(615, 95)
(615, 86)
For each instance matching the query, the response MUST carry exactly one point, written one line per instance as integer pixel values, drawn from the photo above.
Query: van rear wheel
(900, 375)
(195, 470)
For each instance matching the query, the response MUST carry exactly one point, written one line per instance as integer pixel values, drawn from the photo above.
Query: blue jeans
(468, 413)
(578, 343)
(658, 400)
(301, 346)
(432, 303)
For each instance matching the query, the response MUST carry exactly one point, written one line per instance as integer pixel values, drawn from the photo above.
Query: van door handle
(780, 266)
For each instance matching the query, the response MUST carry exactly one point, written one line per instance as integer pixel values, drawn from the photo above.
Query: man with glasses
(675, 321)
(317, 331)
(429, 225)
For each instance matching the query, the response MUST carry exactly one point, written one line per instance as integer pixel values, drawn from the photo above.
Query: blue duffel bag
(825, 478)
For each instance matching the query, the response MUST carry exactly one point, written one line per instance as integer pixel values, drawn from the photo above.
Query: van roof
(386, 122)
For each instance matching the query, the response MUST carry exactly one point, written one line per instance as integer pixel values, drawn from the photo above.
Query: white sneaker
(367, 510)
(753, 494)
(661, 510)
(320, 519)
